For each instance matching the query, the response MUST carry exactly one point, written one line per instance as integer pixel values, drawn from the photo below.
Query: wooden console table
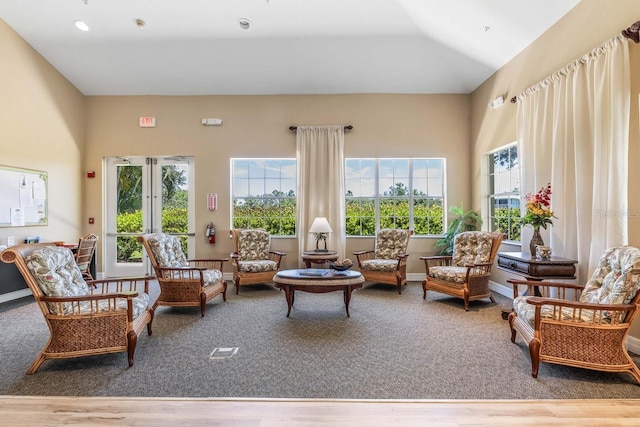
(533, 268)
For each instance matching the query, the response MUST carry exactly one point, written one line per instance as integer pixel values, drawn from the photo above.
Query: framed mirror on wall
(23, 197)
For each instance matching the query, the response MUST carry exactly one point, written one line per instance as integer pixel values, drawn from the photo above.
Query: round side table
(313, 257)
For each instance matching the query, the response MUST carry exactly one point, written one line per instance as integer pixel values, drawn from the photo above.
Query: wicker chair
(84, 318)
(581, 327)
(387, 262)
(465, 274)
(86, 249)
(183, 282)
(252, 259)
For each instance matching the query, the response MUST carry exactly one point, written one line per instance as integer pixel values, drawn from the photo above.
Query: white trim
(501, 289)
(9, 296)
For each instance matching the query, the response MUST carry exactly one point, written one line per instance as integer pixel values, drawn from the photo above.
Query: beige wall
(42, 127)
(257, 126)
(587, 26)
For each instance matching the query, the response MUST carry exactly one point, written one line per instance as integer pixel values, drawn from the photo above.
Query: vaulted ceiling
(237, 47)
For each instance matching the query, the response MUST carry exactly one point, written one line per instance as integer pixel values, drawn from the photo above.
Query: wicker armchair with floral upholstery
(183, 282)
(582, 327)
(387, 262)
(464, 274)
(84, 318)
(252, 259)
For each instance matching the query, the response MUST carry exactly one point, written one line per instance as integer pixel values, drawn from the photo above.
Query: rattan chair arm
(120, 283)
(577, 304)
(479, 264)
(435, 257)
(91, 297)
(363, 252)
(400, 256)
(181, 268)
(209, 260)
(234, 255)
(516, 282)
(281, 254)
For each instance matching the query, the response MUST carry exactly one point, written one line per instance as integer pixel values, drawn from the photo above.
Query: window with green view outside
(264, 195)
(504, 192)
(395, 193)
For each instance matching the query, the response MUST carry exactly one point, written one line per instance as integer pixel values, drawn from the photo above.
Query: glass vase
(536, 240)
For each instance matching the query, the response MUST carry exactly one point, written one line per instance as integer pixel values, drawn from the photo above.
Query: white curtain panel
(573, 131)
(321, 193)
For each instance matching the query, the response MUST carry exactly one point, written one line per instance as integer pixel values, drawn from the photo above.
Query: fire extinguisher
(211, 233)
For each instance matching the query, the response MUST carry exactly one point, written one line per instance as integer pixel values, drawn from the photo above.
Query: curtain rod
(294, 128)
(633, 33)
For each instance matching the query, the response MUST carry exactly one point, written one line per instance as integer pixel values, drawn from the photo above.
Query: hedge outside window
(264, 195)
(504, 192)
(394, 193)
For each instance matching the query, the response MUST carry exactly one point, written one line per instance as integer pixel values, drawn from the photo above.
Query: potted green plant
(463, 221)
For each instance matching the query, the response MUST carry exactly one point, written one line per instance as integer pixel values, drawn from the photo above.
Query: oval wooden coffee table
(317, 280)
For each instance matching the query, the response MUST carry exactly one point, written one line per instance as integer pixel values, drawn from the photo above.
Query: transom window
(504, 192)
(264, 195)
(394, 193)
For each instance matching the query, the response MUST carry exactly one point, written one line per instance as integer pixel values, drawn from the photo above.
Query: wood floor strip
(160, 412)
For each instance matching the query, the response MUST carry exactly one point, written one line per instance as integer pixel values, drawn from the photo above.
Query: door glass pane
(129, 213)
(175, 201)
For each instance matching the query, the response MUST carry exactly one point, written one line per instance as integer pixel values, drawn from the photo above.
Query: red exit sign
(147, 122)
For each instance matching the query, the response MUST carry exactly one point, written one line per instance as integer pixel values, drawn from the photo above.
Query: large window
(394, 193)
(264, 195)
(504, 192)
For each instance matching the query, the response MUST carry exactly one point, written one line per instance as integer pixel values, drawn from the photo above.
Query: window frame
(377, 196)
(514, 193)
(282, 200)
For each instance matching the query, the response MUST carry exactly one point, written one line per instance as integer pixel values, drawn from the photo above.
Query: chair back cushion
(391, 242)
(55, 271)
(472, 247)
(613, 282)
(253, 245)
(167, 251)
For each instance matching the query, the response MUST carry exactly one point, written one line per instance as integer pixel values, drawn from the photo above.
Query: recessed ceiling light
(81, 25)
(244, 24)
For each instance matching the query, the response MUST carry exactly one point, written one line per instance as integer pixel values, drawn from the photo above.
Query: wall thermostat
(212, 122)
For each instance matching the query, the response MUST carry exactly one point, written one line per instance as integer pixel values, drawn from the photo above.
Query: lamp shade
(320, 225)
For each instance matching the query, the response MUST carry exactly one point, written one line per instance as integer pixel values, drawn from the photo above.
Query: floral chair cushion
(449, 273)
(57, 274)
(612, 282)
(167, 251)
(390, 243)
(386, 265)
(253, 245)
(471, 247)
(528, 312)
(257, 266)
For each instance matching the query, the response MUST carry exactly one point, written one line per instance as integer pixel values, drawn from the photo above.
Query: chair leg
(37, 363)
(512, 316)
(224, 292)
(424, 289)
(534, 352)
(493, 300)
(152, 312)
(466, 299)
(237, 283)
(132, 340)
(203, 302)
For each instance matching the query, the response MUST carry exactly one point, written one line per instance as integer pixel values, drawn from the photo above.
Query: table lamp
(320, 228)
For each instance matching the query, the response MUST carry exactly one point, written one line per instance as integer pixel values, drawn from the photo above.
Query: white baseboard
(9, 296)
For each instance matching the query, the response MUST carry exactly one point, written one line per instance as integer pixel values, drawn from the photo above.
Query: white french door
(145, 195)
